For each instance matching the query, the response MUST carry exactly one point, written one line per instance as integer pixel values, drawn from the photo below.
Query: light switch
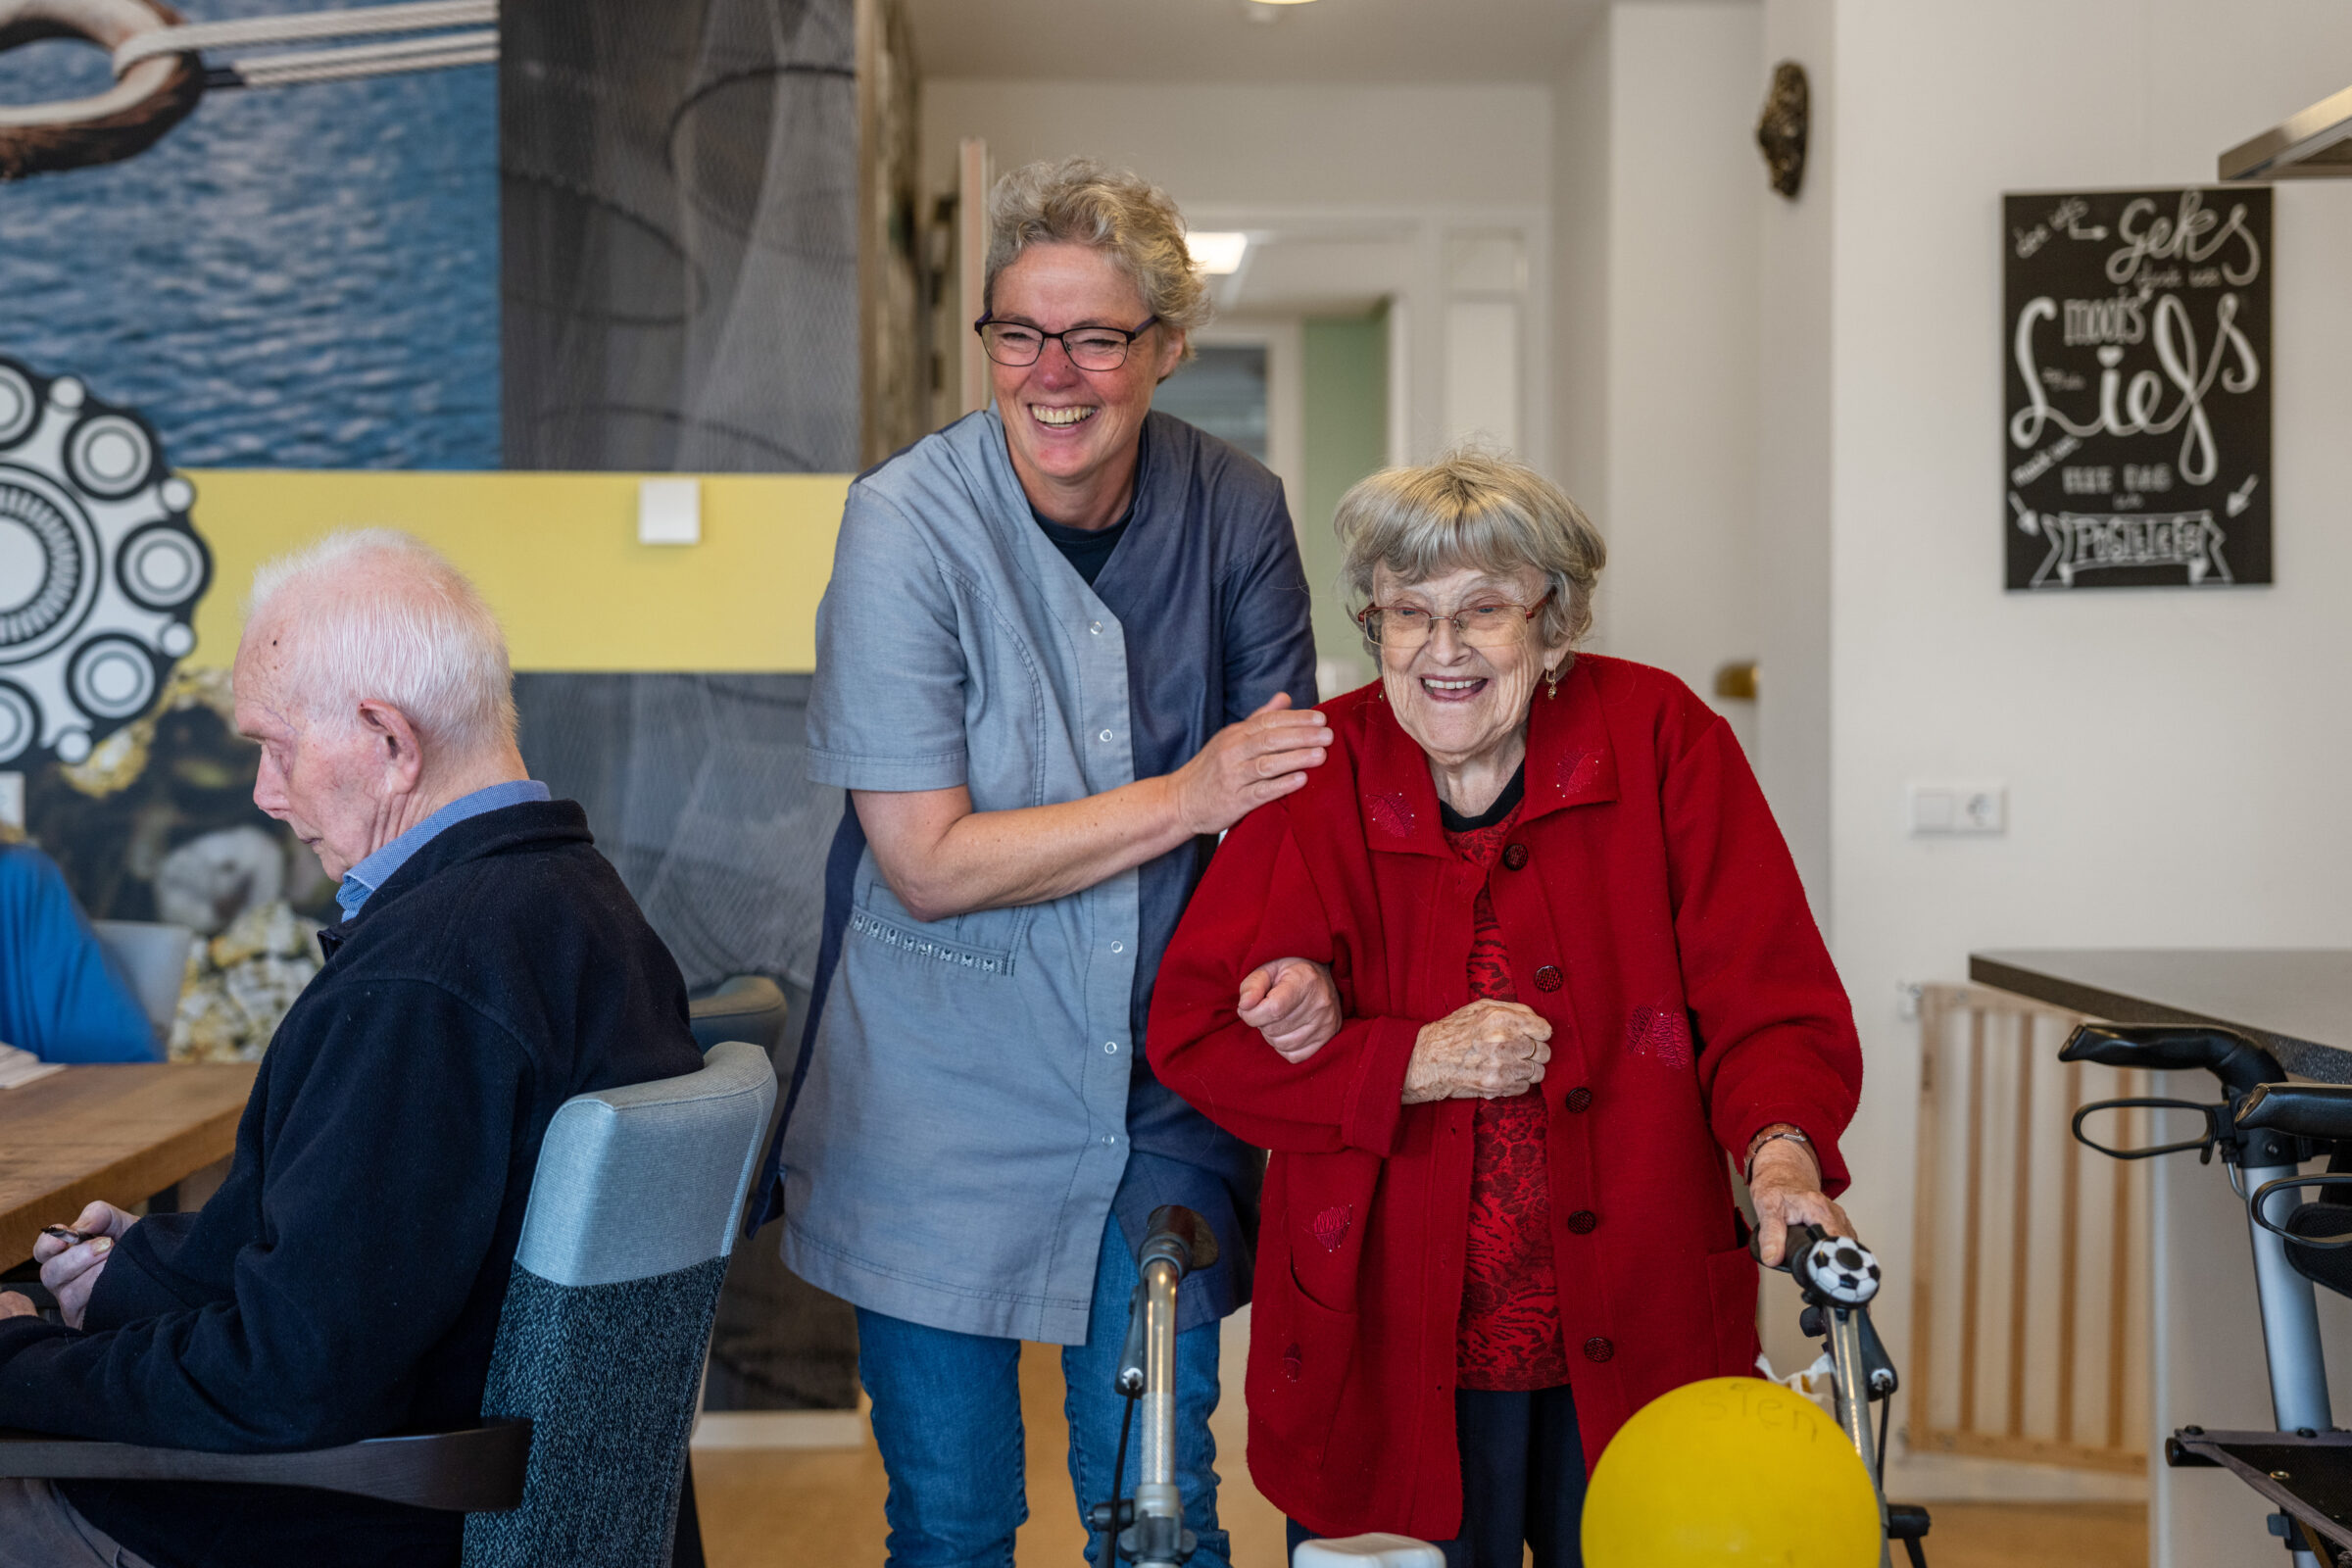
(1974, 806)
(669, 512)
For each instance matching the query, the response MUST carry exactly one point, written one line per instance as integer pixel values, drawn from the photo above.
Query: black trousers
(1523, 1481)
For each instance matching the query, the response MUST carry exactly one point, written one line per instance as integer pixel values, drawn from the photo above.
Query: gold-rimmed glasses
(1482, 623)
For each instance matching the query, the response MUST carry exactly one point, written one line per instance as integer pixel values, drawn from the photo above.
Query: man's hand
(13, 1306)
(1786, 1185)
(1244, 765)
(1292, 1003)
(70, 1269)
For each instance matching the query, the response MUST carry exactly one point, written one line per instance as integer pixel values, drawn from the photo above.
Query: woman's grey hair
(1081, 201)
(1473, 509)
(402, 625)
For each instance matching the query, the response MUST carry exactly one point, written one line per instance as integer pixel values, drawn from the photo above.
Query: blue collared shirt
(376, 869)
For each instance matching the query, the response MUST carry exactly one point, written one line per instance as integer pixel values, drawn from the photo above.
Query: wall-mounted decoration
(1782, 129)
(678, 241)
(297, 269)
(99, 568)
(2137, 340)
(895, 382)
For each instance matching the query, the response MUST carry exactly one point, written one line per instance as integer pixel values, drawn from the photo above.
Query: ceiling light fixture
(1217, 253)
(1269, 9)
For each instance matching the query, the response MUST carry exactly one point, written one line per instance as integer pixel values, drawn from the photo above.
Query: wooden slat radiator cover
(2028, 1308)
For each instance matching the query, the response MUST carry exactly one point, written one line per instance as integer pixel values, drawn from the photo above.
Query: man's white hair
(401, 625)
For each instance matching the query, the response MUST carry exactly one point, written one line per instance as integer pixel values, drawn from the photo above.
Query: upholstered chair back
(609, 1310)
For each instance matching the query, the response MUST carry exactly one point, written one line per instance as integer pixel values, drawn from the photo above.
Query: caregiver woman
(1577, 970)
(1056, 658)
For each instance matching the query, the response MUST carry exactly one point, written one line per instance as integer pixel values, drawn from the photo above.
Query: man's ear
(399, 747)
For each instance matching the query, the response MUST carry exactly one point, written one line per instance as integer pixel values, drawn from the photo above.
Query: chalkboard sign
(2136, 451)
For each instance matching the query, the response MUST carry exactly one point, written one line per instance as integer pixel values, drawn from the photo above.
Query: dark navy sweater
(345, 1282)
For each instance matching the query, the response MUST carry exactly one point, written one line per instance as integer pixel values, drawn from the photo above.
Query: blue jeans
(947, 1420)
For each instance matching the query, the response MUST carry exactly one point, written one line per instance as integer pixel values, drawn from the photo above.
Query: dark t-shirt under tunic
(1508, 1334)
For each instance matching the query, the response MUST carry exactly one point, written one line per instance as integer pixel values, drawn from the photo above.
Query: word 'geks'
(2195, 236)
(2136, 407)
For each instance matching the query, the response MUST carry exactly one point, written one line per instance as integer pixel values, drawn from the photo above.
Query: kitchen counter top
(2295, 1001)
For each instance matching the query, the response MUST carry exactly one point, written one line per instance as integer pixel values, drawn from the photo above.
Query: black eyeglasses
(1090, 348)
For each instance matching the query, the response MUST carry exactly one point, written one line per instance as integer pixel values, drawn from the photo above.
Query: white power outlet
(1977, 807)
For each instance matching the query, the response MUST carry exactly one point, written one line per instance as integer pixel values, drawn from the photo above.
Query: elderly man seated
(345, 1282)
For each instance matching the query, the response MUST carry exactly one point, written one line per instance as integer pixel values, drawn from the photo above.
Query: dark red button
(1583, 1221)
(1547, 978)
(1580, 1100)
(1515, 855)
(1598, 1348)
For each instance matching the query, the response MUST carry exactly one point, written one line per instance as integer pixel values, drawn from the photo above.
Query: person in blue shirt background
(61, 998)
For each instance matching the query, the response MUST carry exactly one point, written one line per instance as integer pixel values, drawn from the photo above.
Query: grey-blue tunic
(964, 1119)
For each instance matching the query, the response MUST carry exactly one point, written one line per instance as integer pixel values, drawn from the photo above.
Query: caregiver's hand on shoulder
(1785, 1184)
(1486, 1051)
(70, 1269)
(1247, 763)
(1292, 1005)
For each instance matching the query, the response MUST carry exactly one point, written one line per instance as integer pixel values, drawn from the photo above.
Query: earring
(1551, 683)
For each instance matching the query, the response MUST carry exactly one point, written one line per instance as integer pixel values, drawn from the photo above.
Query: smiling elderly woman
(1576, 970)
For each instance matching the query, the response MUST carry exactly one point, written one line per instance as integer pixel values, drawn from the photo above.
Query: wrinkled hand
(1292, 1005)
(1244, 765)
(1486, 1051)
(70, 1269)
(1786, 1186)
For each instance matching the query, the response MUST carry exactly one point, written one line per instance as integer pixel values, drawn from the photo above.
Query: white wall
(1657, 201)
(1294, 145)
(2174, 759)
(1791, 540)
(1580, 248)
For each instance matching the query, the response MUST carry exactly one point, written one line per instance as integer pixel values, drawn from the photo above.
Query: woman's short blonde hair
(1472, 508)
(1081, 201)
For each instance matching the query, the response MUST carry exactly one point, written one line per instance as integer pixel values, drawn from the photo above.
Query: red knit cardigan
(1653, 915)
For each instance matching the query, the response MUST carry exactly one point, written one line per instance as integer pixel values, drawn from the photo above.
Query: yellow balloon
(1730, 1471)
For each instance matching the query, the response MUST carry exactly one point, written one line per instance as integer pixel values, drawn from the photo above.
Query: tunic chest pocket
(981, 945)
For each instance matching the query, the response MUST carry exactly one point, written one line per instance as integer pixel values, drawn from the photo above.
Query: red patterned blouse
(1509, 1336)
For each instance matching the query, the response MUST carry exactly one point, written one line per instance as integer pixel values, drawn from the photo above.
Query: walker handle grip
(2232, 1057)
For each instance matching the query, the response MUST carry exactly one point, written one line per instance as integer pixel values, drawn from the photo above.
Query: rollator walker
(1837, 1279)
(2264, 1129)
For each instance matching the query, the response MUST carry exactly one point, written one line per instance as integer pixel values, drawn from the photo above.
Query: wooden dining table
(120, 1132)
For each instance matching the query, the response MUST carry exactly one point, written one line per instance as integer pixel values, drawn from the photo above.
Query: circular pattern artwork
(100, 569)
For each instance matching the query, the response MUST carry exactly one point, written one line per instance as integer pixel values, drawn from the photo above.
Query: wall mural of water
(300, 276)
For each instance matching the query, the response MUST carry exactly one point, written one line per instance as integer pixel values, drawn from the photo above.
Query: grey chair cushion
(607, 1375)
(647, 1180)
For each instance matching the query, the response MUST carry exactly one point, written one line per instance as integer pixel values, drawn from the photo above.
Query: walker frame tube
(1157, 1495)
(2290, 1316)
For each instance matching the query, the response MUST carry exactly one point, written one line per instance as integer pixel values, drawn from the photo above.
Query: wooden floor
(782, 1509)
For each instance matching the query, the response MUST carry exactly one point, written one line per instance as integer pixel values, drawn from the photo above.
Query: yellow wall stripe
(556, 555)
